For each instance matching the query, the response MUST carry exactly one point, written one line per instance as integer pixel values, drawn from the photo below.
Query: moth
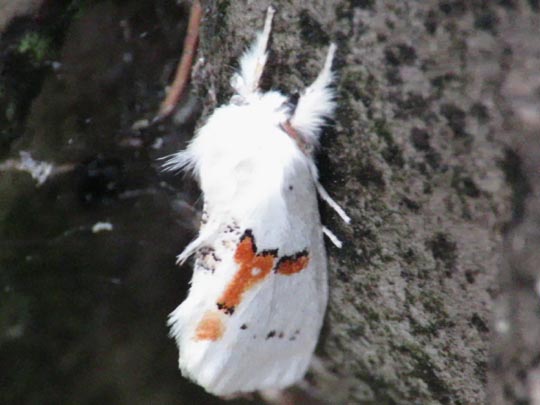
(259, 289)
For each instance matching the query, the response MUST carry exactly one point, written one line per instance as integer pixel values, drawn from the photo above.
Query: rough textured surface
(515, 357)
(416, 158)
(434, 153)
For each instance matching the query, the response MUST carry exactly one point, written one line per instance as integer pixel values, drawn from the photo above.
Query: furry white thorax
(241, 157)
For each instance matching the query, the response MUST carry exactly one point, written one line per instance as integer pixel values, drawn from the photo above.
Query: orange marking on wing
(210, 327)
(288, 265)
(253, 269)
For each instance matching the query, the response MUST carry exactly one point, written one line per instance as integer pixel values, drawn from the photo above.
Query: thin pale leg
(246, 81)
(334, 205)
(207, 233)
(333, 238)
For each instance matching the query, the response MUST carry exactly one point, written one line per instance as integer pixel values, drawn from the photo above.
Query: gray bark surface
(415, 160)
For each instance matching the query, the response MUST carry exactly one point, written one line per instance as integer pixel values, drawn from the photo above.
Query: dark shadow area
(87, 257)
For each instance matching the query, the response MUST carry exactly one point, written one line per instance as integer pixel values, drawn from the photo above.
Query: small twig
(39, 170)
(184, 67)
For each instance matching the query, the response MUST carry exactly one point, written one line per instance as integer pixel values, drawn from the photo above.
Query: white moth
(259, 288)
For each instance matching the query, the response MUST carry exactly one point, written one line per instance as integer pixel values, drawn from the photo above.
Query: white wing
(259, 289)
(268, 339)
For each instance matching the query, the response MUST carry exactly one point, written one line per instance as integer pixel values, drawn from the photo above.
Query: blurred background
(89, 225)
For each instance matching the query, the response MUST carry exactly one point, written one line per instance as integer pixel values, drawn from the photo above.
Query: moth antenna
(246, 81)
(316, 103)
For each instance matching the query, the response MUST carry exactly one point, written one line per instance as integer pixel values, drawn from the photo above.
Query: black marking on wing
(291, 258)
(207, 258)
(248, 233)
(227, 310)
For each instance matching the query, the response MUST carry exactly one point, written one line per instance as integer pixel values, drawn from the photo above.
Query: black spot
(296, 333)
(243, 327)
(271, 252)
(248, 233)
(227, 310)
(204, 261)
(281, 335)
(208, 251)
(291, 187)
(271, 334)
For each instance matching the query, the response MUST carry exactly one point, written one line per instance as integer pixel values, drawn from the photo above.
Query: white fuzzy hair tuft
(316, 103)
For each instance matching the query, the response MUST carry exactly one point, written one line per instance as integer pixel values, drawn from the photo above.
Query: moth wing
(269, 338)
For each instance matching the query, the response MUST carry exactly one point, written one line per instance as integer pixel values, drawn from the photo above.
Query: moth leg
(333, 238)
(334, 205)
(246, 81)
(207, 233)
(316, 103)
